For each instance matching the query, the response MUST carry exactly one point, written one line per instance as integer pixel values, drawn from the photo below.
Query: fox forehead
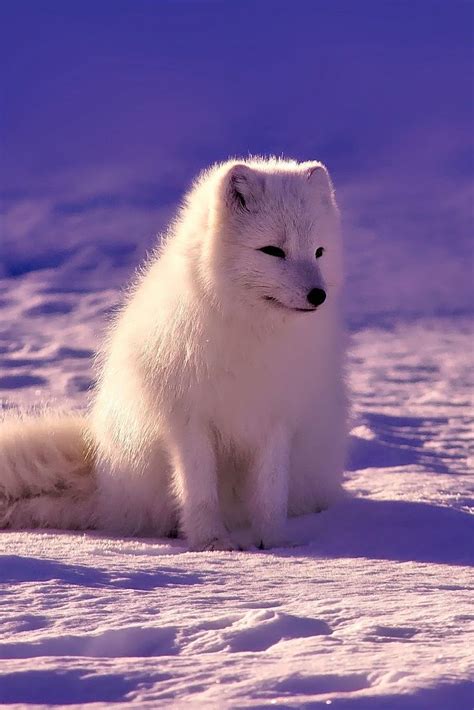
(292, 212)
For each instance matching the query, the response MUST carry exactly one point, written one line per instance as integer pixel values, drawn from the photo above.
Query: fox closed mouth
(288, 308)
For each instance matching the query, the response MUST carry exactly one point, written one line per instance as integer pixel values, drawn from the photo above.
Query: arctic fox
(220, 400)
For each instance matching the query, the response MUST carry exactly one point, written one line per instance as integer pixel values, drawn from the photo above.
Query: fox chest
(242, 404)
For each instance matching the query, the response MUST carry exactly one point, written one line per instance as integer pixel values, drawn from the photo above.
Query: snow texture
(108, 111)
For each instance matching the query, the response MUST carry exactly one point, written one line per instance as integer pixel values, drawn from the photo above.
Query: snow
(369, 606)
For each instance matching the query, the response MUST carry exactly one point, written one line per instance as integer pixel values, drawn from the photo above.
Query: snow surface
(109, 110)
(371, 608)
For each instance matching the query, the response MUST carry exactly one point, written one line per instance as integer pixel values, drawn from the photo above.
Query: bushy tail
(46, 475)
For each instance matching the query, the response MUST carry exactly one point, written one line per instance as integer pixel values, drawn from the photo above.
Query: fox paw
(264, 545)
(268, 539)
(223, 544)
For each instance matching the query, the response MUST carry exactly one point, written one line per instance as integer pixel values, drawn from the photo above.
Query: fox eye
(319, 252)
(273, 251)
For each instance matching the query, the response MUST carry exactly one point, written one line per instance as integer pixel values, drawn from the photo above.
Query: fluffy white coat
(221, 400)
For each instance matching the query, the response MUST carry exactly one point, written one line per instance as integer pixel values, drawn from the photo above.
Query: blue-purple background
(109, 108)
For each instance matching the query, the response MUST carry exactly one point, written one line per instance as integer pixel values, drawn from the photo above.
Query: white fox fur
(221, 399)
(45, 472)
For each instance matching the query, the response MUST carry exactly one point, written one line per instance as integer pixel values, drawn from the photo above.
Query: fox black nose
(316, 296)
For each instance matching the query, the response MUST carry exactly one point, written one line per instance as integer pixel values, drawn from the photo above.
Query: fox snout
(316, 296)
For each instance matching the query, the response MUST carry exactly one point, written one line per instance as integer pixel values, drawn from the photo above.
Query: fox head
(273, 237)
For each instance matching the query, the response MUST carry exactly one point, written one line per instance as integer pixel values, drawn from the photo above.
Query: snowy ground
(110, 109)
(372, 607)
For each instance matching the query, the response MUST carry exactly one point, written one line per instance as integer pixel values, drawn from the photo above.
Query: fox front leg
(268, 490)
(195, 478)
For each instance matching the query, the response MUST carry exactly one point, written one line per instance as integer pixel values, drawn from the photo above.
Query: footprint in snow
(132, 641)
(391, 633)
(298, 684)
(254, 631)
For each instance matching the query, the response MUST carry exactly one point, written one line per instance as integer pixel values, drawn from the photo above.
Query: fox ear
(318, 176)
(319, 180)
(244, 188)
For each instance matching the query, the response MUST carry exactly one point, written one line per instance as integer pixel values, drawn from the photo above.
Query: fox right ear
(318, 177)
(244, 188)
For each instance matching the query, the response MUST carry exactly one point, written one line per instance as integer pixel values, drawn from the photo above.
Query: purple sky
(109, 108)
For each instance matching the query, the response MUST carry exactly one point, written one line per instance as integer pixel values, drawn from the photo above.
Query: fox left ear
(244, 188)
